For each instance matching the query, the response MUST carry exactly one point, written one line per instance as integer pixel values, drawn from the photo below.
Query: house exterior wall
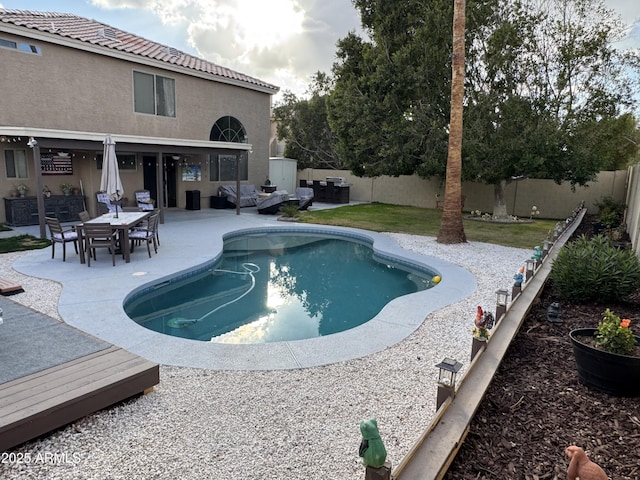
(75, 90)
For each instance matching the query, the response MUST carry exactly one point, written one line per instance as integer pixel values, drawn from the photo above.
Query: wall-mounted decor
(52, 164)
(191, 173)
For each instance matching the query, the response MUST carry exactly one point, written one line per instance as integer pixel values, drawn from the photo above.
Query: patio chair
(147, 234)
(144, 200)
(84, 216)
(99, 235)
(104, 199)
(271, 204)
(61, 235)
(305, 197)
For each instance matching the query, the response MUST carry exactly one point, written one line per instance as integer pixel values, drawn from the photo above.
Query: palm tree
(451, 228)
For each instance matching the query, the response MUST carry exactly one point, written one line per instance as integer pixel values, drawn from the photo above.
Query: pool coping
(92, 299)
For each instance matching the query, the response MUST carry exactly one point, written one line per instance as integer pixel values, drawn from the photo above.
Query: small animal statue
(537, 253)
(580, 467)
(519, 277)
(372, 449)
(489, 320)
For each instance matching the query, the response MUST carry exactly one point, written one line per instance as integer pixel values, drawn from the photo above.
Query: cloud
(283, 42)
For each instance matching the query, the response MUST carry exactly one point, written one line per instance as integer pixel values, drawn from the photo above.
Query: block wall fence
(552, 200)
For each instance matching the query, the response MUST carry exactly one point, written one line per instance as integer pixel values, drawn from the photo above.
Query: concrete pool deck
(92, 298)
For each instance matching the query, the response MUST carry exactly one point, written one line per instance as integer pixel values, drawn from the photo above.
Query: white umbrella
(110, 182)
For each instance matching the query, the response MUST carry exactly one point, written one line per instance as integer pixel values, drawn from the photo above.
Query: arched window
(228, 129)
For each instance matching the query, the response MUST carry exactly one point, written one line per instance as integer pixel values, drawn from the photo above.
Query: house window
(228, 129)
(20, 46)
(222, 168)
(154, 94)
(126, 161)
(16, 163)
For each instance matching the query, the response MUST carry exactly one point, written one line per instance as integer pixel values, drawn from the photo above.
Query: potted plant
(608, 357)
(66, 188)
(22, 189)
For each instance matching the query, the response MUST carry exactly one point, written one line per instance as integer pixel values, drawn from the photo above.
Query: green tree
(302, 124)
(391, 101)
(547, 89)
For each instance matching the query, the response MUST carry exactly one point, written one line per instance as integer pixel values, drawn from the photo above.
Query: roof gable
(99, 34)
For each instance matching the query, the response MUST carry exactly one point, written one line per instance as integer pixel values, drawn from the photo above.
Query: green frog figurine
(372, 449)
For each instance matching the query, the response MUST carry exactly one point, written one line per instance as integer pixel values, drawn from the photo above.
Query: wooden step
(8, 287)
(44, 401)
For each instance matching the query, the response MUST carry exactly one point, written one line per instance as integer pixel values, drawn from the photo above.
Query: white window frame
(161, 101)
(21, 168)
(222, 167)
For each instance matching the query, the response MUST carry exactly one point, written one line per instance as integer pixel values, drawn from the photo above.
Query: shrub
(610, 211)
(587, 270)
(289, 211)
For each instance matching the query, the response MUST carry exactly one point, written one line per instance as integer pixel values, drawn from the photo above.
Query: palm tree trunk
(451, 227)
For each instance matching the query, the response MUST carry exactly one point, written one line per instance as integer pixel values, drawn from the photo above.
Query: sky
(283, 42)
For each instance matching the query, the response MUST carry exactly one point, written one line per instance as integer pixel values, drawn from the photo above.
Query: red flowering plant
(614, 334)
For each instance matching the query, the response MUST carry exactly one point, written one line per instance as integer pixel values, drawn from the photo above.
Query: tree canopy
(302, 123)
(545, 91)
(547, 94)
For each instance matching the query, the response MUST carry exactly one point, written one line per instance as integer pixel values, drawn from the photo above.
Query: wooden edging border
(431, 456)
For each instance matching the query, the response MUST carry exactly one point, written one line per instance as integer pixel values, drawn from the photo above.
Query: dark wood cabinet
(23, 211)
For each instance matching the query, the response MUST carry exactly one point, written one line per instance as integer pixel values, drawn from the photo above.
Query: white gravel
(292, 424)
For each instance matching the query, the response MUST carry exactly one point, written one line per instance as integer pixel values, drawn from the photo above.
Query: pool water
(278, 287)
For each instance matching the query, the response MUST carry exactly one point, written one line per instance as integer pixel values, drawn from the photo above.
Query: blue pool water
(272, 287)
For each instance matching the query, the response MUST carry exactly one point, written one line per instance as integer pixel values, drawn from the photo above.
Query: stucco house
(181, 124)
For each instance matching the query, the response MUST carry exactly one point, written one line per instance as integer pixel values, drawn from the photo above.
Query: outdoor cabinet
(193, 199)
(23, 211)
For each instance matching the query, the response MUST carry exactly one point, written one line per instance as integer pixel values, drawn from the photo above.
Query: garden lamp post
(502, 296)
(448, 369)
(545, 248)
(531, 263)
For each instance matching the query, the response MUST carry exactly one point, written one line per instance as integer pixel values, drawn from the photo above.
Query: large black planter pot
(604, 371)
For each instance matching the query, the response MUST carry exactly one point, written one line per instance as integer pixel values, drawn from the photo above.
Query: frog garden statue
(372, 449)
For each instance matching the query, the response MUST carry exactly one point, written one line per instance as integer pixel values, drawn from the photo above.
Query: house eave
(175, 143)
(126, 56)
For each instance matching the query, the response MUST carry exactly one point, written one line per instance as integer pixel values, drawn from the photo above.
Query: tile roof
(96, 33)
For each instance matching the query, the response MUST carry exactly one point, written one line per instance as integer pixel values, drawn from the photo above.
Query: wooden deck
(44, 401)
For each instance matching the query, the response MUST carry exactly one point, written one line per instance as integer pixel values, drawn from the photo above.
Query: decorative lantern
(530, 268)
(502, 295)
(448, 369)
(545, 248)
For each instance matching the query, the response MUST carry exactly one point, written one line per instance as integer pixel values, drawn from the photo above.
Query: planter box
(604, 371)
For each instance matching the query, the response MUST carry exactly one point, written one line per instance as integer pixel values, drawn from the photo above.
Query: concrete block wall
(552, 200)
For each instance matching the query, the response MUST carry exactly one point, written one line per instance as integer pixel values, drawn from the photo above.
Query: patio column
(37, 165)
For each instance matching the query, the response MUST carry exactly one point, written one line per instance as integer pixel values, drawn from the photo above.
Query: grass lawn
(381, 217)
(21, 243)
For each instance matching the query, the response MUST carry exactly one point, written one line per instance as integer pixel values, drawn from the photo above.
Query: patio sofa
(248, 195)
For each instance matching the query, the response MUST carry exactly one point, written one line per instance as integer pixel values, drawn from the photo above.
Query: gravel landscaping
(293, 424)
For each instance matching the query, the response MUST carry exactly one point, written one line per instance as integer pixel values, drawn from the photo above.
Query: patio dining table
(122, 224)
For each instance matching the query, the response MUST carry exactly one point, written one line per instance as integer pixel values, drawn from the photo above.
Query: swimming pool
(279, 286)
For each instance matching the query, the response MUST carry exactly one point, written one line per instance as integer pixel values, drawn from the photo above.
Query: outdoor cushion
(67, 236)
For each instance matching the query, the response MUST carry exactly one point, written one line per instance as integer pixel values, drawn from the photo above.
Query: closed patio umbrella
(110, 182)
